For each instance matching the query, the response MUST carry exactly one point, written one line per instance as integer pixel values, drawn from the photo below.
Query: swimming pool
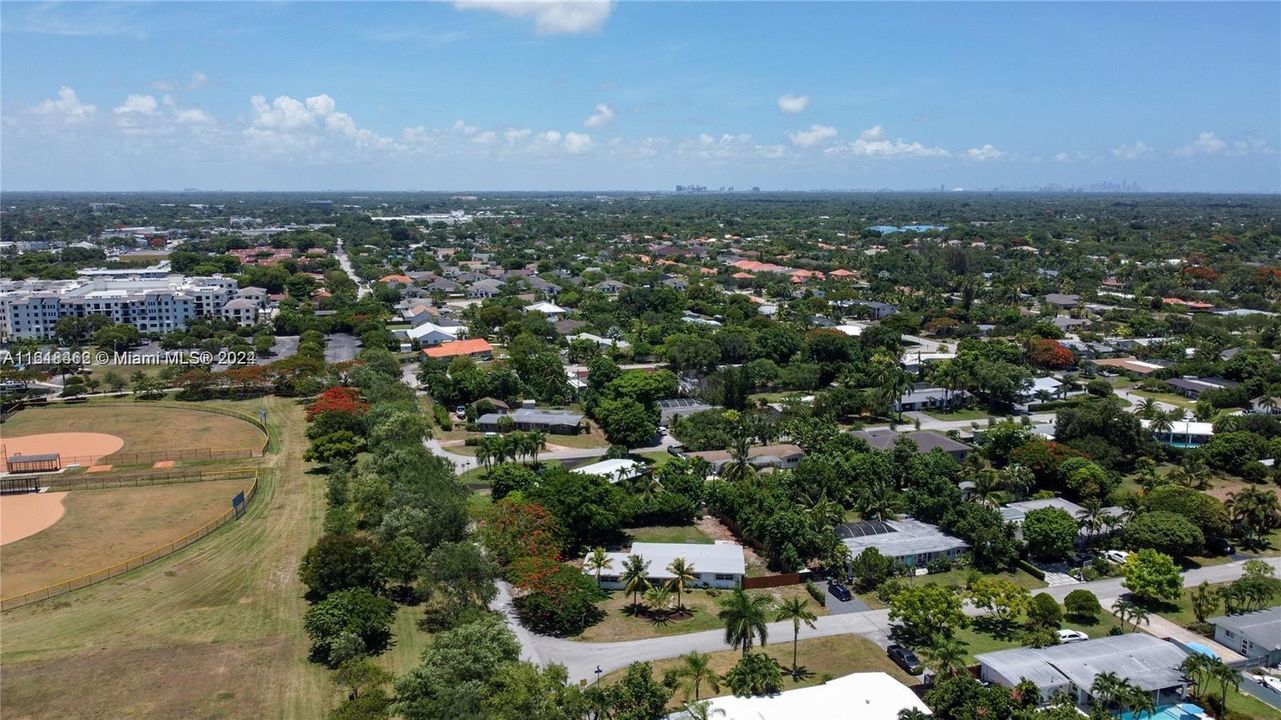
(1185, 711)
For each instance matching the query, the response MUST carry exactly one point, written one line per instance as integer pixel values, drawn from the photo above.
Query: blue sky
(484, 94)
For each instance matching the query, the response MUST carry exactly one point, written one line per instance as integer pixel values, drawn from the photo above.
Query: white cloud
(987, 152)
(875, 143)
(515, 135)
(1132, 152)
(283, 114)
(549, 16)
(815, 135)
(464, 128)
(603, 116)
(486, 138)
(141, 104)
(67, 106)
(197, 81)
(194, 116)
(1207, 143)
(287, 122)
(576, 143)
(793, 104)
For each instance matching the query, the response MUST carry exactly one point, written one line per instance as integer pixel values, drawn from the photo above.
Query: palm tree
(659, 599)
(745, 617)
(1224, 676)
(797, 610)
(484, 454)
(946, 656)
(1148, 408)
(1255, 512)
(597, 561)
(739, 467)
(1139, 615)
(1162, 424)
(987, 488)
(635, 576)
(1093, 518)
(1108, 689)
(702, 711)
(1122, 609)
(877, 500)
(696, 669)
(1196, 667)
(537, 441)
(1017, 479)
(1138, 702)
(682, 576)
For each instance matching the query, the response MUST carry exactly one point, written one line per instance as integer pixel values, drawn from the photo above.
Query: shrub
(1082, 604)
(1044, 612)
(819, 596)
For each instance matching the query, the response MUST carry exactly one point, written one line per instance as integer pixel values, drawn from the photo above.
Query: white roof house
(546, 308)
(719, 564)
(860, 696)
(615, 470)
(429, 333)
(604, 341)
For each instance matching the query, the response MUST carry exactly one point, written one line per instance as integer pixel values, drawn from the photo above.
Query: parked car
(839, 591)
(1273, 683)
(905, 659)
(1116, 556)
(1070, 636)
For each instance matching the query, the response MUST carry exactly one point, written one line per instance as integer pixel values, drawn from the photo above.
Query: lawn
(820, 658)
(979, 641)
(619, 625)
(213, 631)
(145, 428)
(103, 527)
(669, 534)
(1168, 398)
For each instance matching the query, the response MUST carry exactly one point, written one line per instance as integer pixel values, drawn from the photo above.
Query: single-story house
(1130, 365)
(877, 310)
(1046, 387)
(926, 398)
(1141, 659)
(1063, 300)
(428, 334)
(602, 341)
(476, 348)
(1192, 387)
(552, 311)
(719, 564)
(907, 541)
(783, 456)
(1256, 635)
(866, 696)
(615, 470)
(556, 422)
(1266, 405)
(925, 440)
(485, 288)
(1183, 433)
(1015, 512)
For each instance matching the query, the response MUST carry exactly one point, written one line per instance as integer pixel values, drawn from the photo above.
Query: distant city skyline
(506, 96)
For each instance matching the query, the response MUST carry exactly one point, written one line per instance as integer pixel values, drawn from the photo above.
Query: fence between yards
(66, 586)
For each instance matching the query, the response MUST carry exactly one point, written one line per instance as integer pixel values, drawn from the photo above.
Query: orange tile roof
(459, 347)
(402, 279)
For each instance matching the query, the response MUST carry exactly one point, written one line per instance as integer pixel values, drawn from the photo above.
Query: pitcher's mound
(25, 515)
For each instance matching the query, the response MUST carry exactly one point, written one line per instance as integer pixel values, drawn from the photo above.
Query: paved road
(362, 289)
(582, 658)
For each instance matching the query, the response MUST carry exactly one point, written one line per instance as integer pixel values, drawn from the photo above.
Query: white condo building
(152, 303)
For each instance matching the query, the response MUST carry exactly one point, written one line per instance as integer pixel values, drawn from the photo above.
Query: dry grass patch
(100, 528)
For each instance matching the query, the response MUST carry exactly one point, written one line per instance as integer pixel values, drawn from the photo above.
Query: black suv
(905, 659)
(839, 591)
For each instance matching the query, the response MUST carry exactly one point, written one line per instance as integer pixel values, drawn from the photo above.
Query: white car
(1116, 556)
(1273, 683)
(1071, 636)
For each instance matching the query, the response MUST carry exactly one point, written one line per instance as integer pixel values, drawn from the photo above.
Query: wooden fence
(772, 581)
(17, 601)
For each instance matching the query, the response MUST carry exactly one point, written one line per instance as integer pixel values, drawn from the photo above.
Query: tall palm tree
(635, 576)
(683, 576)
(877, 500)
(797, 610)
(1093, 519)
(1256, 512)
(1224, 676)
(598, 561)
(702, 710)
(1122, 609)
(1108, 688)
(537, 441)
(696, 669)
(988, 488)
(1205, 601)
(739, 467)
(1162, 423)
(1018, 480)
(746, 618)
(1138, 702)
(945, 655)
(1196, 668)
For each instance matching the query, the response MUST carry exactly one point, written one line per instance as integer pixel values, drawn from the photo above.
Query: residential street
(582, 659)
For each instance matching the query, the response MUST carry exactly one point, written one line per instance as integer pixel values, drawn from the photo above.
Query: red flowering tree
(557, 599)
(342, 400)
(1047, 353)
(514, 529)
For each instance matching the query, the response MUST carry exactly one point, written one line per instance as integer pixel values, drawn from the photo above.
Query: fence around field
(152, 456)
(97, 481)
(66, 586)
(772, 581)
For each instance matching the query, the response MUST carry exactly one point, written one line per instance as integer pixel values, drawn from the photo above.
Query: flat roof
(896, 538)
(615, 470)
(1145, 661)
(721, 557)
(860, 696)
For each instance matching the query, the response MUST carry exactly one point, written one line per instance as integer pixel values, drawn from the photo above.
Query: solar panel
(863, 528)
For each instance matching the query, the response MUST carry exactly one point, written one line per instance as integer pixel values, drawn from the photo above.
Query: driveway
(340, 347)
